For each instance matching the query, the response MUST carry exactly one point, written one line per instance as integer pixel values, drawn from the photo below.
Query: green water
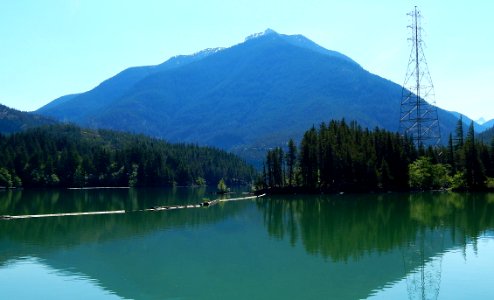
(393, 246)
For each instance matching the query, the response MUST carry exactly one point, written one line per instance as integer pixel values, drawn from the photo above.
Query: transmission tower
(418, 113)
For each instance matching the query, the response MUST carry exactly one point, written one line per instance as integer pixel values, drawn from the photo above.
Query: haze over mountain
(483, 122)
(487, 124)
(255, 94)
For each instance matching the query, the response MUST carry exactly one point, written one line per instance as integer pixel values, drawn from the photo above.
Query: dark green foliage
(274, 165)
(469, 158)
(450, 158)
(68, 156)
(5, 178)
(490, 170)
(291, 160)
(474, 169)
(459, 132)
(308, 161)
(344, 157)
(338, 156)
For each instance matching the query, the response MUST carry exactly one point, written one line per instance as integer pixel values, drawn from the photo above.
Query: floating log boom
(7, 217)
(110, 212)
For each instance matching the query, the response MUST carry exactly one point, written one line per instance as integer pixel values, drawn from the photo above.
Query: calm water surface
(393, 246)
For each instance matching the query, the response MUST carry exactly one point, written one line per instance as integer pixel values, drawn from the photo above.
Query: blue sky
(51, 48)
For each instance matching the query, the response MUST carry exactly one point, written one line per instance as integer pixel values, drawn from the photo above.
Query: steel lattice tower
(418, 113)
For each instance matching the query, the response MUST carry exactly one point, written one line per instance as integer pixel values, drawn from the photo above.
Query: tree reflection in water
(344, 227)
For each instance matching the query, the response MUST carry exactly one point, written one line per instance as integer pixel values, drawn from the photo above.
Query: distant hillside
(79, 107)
(485, 124)
(487, 136)
(245, 98)
(478, 127)
(69, 156)
(12, 120)
(60, 101)
(488, 124)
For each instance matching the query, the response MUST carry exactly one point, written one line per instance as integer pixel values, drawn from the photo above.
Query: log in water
(7, 217)
(156, 208)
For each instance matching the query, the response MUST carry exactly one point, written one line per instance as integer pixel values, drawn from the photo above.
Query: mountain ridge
(220, 80)
(478, 127)
(255, 94)
(12, 120)
(112, 88)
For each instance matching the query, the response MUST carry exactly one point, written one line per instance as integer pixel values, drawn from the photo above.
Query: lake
(378, 246)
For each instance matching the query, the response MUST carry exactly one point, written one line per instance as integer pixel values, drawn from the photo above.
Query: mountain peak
(240, 97)
(266, 32)
(481, 121)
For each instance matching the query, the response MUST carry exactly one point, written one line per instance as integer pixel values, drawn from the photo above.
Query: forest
(341, 157)
(70, 156)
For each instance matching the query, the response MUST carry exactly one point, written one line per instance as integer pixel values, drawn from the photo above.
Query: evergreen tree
(274, 164)
(474, 170)
(341, 157)
(326, 156)
(491, 159)
(308, 159)
(278, 167)
(459, 133)
(451, 153)
(291, 159)
(68, 156)
(270, 169)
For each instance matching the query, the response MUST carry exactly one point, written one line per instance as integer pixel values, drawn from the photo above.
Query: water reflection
(422, 226)
(349, 226)
(340, 246)
(35, 235)
(466, 273)
(131, 255)
(19, 202)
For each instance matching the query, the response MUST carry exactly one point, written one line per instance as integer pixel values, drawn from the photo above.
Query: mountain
(466, 122)
(250, 96)
(79, 107)
(485, 124)
(59, 101)
(488, 124)
(479, 125)
(12, 120)
(480, 121)
(487, 136)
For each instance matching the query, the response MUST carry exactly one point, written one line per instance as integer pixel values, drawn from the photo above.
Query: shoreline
(323, 191)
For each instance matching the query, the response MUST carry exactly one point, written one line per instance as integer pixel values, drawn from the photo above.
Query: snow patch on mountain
(266, 32)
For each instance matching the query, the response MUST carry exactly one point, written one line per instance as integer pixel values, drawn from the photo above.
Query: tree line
(338, 156)
(69, 156)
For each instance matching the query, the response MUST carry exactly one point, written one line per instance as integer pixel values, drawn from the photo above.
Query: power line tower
(418, 113)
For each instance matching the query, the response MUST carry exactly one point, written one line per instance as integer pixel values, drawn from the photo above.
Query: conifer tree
(291, 158)
(308, 159)
(474, 170)
(459, 133)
